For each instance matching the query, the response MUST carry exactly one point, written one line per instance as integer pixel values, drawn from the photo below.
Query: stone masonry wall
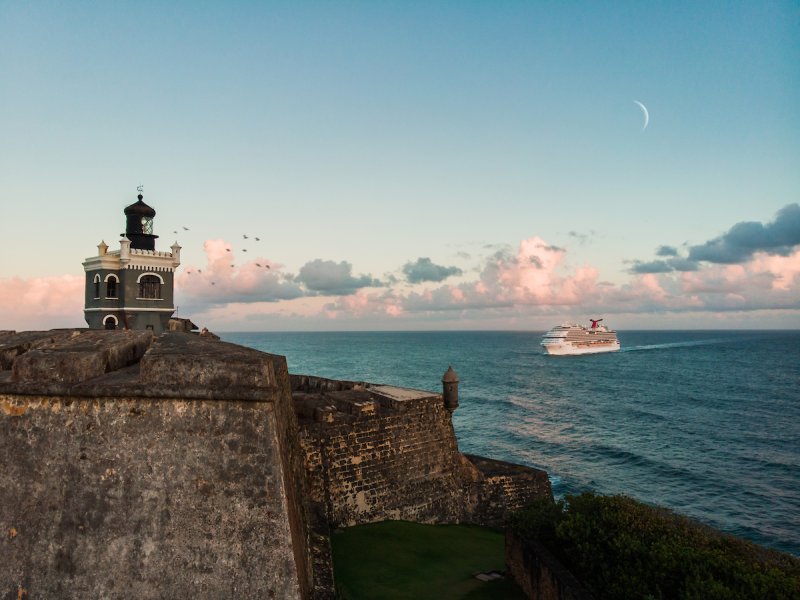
(397, 462)
(376, 452)
(134, 468)
(161, 498)
(503, 488)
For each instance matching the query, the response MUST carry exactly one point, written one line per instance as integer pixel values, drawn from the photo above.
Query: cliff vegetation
(620, 548)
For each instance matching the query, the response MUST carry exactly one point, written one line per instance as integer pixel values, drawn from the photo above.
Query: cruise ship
(577, 339)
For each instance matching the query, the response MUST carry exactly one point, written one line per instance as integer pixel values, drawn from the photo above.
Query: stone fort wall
(183, 467)
(133, 468)
(377, 452)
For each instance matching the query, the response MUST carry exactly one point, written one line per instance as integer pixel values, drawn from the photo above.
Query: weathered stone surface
(376, 452)
(80, 357)
(185, 359)
(126, 487)
(13, 344)
(132, 498)
(503, 488)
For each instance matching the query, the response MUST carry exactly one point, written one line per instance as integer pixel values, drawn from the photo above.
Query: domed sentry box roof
(139, 225)
(450, 376)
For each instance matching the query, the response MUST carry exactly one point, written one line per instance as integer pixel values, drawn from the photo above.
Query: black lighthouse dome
(139, 225)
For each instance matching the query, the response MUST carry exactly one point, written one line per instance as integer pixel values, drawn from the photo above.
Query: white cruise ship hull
(569, 349)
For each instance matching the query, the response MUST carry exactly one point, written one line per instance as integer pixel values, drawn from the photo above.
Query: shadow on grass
(397, 559)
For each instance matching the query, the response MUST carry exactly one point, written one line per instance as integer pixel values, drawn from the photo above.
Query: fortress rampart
(184, 467)
(378, 452)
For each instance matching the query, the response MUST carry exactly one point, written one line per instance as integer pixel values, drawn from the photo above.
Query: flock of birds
(244, 236)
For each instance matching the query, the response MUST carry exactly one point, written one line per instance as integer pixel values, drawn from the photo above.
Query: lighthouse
(132, 287)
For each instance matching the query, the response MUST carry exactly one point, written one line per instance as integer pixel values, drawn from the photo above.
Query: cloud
(223, 280)
(664, 266)
(425, 270)
(530, 277)
(512, 287)
(683, 264)
(534, 281)
(744, 239)
(654, 266)
(42, 302)
(332, 278)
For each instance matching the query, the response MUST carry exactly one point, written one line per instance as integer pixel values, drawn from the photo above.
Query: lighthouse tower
(132, 288)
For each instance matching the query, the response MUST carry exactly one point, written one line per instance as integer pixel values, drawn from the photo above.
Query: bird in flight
(258, 239)
(258, 264)
(244, 236)
(185, 228)
(175, 232)
(227, 249)
(244, 249)
(213, 283)
(199, 271)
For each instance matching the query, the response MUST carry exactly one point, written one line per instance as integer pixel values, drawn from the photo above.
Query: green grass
(397, 559)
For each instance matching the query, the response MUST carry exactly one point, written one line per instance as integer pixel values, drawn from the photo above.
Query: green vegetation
(397, 559)
(621, 548)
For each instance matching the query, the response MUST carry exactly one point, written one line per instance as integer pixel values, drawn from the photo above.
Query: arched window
(150, 287)
(97, 286)
(110, 322)
(111, 286)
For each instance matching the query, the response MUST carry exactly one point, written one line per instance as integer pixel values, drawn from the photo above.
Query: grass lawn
(397, 559)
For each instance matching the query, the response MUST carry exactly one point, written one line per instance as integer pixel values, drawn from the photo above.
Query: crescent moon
(646, 114)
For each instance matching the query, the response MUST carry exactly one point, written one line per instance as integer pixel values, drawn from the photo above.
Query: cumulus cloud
(425, 270)
(530, 277)
(744, 239)
(42, 302)
(532, 281)
(511, 287)
(737, 246)
(329, 277)
(223, 280)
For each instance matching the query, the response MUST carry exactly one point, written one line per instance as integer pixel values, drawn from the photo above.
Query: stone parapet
(78, 358)
(502, 489)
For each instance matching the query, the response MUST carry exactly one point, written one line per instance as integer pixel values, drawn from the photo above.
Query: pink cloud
(535, 281)
(510, 287)
(42, 302)
(784, 269)
(224, 279)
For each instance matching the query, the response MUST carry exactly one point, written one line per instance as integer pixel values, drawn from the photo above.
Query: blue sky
(357, 138)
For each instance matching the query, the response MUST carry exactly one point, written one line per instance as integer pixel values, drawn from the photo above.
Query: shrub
(621, 548)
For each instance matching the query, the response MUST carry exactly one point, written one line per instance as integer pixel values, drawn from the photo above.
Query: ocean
(706, 423)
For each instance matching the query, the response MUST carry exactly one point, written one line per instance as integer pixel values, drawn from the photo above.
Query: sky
(409, 165)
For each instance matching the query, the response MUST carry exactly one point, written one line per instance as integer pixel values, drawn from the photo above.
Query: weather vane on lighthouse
(140, 188)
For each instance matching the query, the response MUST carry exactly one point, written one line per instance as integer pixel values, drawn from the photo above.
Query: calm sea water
(704, 422)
